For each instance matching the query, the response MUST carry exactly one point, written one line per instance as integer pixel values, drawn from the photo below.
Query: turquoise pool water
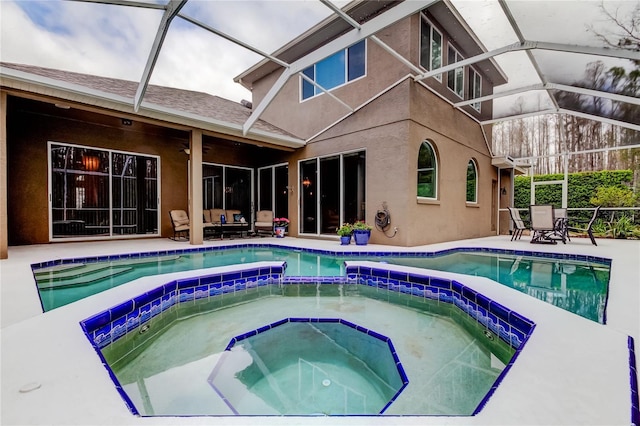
(178, 366)
(577, 286)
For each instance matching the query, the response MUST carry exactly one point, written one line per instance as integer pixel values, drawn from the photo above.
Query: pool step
(86, 277)
(143, 260)
(49, 270)
(73, 270)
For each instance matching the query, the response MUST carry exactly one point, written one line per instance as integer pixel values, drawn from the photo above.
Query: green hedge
(581, 188)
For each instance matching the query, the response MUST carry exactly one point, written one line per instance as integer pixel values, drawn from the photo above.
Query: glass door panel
(212, 186)
(79, 191)
(265, 188)
(329, 195)
(281, 191)
(308, 197)
(134, 194)
(354, 187)
(238, 190)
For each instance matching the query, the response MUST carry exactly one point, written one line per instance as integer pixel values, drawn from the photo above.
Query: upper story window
(475, 88)
(455, 78)
(336, 70)
(472, 182)
(430, 46)
(427, 171)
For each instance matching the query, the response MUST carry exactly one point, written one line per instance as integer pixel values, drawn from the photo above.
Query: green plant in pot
(361, 233)
(345, 232)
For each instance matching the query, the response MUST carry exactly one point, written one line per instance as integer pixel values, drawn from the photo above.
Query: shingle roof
(189, 101)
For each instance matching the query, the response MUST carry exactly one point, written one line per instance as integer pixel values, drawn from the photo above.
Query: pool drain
(326, 382)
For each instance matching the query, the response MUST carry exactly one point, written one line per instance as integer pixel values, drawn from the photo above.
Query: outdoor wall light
(503, 191)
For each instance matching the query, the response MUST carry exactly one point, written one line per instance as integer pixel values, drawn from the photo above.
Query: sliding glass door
(101, 193)
(332, 192)
(227, 187)
(273, 189)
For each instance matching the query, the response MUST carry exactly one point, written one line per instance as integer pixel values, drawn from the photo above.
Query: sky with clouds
(114, 41)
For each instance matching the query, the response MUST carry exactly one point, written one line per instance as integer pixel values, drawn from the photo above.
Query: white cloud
(115, 41)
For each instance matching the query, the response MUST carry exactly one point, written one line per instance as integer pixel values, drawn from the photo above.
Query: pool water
(576, 286)
(450, 364)
(308, 366)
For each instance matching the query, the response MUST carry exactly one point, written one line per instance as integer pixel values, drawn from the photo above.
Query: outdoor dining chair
(543, 225)
(518, 223)
(588, 228)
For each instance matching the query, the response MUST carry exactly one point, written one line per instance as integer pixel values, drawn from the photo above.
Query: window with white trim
(427, 171)
(102, 193)
(455, 77)
(338, 69)
(475, 88)
(430, 46)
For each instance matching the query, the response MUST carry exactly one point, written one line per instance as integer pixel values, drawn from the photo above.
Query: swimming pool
(578, 284)
(450, 360)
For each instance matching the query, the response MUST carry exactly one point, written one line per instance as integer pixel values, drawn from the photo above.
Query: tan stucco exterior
(392, 116)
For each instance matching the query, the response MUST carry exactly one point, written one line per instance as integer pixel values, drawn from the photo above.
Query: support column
(195, 187)
(4, 239)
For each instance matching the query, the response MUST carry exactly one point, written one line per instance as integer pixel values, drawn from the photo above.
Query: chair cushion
(206, 215)
(179, 217)
(264, 216)
(216, 213)
(231, 215)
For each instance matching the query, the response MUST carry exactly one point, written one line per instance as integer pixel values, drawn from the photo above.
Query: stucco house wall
(391, 129)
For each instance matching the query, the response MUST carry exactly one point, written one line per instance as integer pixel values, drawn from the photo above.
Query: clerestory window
(336, 70)
(455, 78)
(427, 171)
(430, 47)
(475, 88)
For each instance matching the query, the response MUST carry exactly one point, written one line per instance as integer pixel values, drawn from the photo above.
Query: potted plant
(345, 232)
(280, 225)
(361, 233)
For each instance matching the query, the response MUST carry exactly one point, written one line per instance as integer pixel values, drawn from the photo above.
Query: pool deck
(572, 371)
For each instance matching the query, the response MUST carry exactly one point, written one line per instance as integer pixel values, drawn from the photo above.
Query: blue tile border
(508, 325)
(633, 378)
(109, 325)
(94, 259)
(237, 339)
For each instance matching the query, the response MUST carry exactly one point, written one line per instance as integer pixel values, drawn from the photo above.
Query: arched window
(427, 171)
(472, 182)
